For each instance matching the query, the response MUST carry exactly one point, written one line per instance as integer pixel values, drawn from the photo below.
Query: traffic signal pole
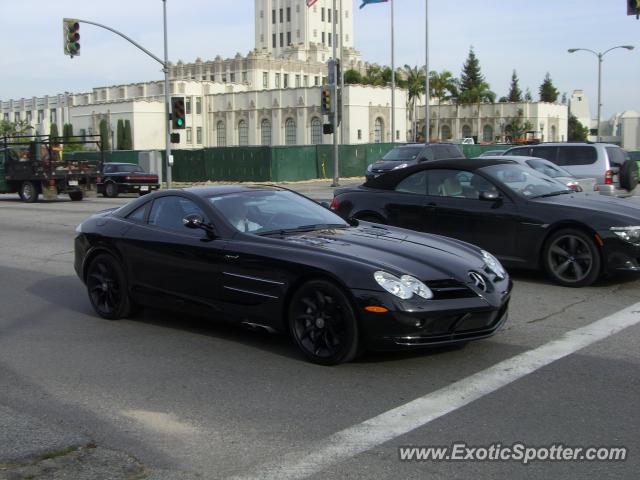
(336, 155)
(165, 69)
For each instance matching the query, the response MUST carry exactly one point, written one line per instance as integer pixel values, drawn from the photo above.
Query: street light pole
(600, 56)
(334, 94)
(426, 76)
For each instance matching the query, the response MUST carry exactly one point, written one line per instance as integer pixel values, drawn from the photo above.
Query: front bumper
(613, 191)
(433, 322)
(619, 255)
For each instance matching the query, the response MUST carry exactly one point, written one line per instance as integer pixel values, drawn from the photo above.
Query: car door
(170, 264)
(454, 209)
(405, 206)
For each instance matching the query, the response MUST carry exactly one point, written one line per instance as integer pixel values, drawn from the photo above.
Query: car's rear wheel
(111, 190)
(107, 287)
(571, 258)
(629, 175)
(323, 323)
(29, 192)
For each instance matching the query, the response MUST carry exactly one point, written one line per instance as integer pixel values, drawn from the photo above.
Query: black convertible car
(271, 258)
(522, 216)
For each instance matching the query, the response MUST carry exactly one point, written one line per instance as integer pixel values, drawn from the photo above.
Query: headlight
(493, 264)
(630, 234)
(370, 167)
(404, 287)
(402, 165)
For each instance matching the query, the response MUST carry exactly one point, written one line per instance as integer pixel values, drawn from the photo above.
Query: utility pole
(426, 76)
(165, 69)
(393, 78)
(336, 155)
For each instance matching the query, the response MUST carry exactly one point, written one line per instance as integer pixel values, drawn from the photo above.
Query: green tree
(576, 132)
(53, 131)
(67, 132)
(415, 84)
(120, 135)
(527, 96)
(548, 93)
(104, 135)
(515, 94)
(443, 86)
(11, 129)
(352, 77)
(127, 141)
(473, 87)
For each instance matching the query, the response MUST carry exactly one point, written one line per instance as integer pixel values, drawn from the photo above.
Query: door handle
(231, 257)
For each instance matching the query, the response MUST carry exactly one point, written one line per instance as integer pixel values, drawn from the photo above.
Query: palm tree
(415, 85)
(443, 86)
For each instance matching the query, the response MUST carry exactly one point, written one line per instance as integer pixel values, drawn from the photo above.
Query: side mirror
(195, 221)
(490, 195)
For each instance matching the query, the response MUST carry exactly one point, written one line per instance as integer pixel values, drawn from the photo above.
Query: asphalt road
(187, 396)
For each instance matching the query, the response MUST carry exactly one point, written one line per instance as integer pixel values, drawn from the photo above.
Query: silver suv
(610, 165)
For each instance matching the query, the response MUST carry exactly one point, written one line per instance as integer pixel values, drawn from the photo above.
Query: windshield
(525, 181)
(400, 154)
(549, 169)
(267, 211)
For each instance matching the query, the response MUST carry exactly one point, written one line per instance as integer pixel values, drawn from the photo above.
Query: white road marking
(419, 412)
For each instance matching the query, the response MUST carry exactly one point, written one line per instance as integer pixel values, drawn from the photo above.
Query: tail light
(608, 177)
(334, 204)
(596, 188)
(127, 178)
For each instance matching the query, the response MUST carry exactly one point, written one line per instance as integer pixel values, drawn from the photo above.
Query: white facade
(490, 122)
(579, 108)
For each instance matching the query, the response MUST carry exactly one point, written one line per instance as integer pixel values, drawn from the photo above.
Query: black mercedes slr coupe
(271, 258)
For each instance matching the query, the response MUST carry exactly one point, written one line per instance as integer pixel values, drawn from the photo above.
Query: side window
(521, 152)
(416, 183)
(456, 183)
(428, 154)
(576, 155)
(168, 212)
(109, 168)
(139, 214)
(548, 153)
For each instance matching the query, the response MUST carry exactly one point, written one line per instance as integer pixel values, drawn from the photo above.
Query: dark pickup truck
(117, 178)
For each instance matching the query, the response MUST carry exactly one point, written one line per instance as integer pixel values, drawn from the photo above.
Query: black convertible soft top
(391, 179)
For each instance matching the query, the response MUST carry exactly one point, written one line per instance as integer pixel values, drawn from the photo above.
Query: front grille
(449, 289)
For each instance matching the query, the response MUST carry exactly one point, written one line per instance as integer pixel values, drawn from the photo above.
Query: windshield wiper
(304, 228)
(553, 194)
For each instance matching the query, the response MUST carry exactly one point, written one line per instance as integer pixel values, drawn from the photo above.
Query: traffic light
(633, 7)
(326, 103)
(71, 37)
(178, 119)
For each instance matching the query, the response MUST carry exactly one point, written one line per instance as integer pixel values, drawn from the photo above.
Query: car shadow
(540, 277)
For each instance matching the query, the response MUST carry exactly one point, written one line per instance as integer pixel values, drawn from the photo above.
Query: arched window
(290, 132)
(316, 131)
(466, 131)
(487, 133)
(243, 133)
(221, 134)
(445, 132)
(265, 132)
(378, 132)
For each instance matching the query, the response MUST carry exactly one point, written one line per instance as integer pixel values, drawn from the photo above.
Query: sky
(531, 37)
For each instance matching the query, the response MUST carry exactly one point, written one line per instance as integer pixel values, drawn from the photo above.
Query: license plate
(73, 183)
(144, 189)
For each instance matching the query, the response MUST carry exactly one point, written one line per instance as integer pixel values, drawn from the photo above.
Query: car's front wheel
(111, 190)
(107, 287)
(323, 323)
(571, 258)
(29, 192)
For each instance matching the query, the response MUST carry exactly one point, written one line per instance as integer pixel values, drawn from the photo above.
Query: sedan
(270, 258)
(117, 178)
(554, 171)
(525, 218)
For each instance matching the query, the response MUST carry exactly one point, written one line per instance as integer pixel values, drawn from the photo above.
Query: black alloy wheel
(28, 192)
(571, 258)
(111, 190)
(107, 287)
(323, 324)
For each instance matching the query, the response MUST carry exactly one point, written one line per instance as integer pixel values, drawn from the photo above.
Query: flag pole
(393, 79)
(426, 75)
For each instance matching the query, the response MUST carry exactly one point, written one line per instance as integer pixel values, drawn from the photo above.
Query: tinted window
(576, 155)
(456, 183)
(403, 153)
(139, 214)
(617, 156)
(168, 212)
(523, 152)
(548, 153)
(524, 181)
(416, 183)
